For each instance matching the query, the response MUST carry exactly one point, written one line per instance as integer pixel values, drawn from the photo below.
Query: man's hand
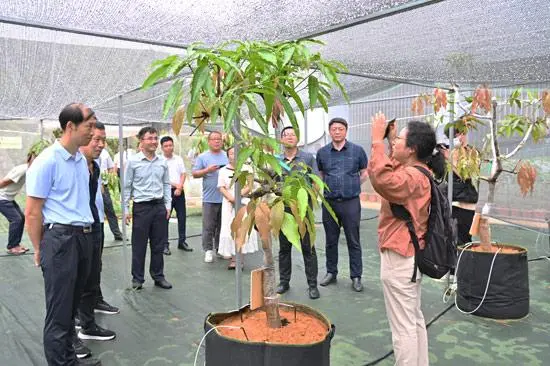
(212, 168)
(378, 127)
(168, 214)
(128, 219)
(177, 192)
(37, 258)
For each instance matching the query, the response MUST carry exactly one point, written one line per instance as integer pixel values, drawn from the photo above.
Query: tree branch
(522, 142)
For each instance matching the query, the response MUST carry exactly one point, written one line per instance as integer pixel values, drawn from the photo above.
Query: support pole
(305, 131)
(122, 181)
(238, 205)
(452, 95)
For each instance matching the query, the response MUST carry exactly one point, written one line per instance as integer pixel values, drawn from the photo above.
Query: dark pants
(178, 204)
(91, 288)
(99, 294)
(464, 220)
(65, 256)
(285, 260)
(110, 212)
(211, 224)
(349, 215)
(15, 217)
(149, 224)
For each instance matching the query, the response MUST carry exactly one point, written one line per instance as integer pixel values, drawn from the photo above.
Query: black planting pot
(508, 293)
(225, 351)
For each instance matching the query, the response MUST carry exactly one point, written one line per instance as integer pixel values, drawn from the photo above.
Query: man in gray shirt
(206, 167)
(147, 182)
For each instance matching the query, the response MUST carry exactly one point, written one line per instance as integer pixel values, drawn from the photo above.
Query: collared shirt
(147, 180)
(99, 201)
(210, 191)
(403, 185)
(61, 179)
(175, 169)
(17, 176)
(94, 185)
(342, 169)
(105, 162)
(295, 164)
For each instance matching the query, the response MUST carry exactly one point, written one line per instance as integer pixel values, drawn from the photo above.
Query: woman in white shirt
(227, 244)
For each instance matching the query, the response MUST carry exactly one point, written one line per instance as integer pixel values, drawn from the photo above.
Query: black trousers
(65, 258)
(211, 225)
(464, 220)
(99, 293)
(348, 213)
(178, 204)
(285, 260)
(110, 212)
(149, 225)
(91, 288)
(12, 212)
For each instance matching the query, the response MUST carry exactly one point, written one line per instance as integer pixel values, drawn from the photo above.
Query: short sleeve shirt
(210, 192)
(341, 169)
(175, 168)
(17, 176)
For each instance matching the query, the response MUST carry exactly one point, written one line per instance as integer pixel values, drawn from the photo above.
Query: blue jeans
(12, 212)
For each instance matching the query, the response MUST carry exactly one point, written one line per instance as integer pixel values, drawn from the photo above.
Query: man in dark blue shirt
(343, 167)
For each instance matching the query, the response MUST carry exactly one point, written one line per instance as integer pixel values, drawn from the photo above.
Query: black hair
(421, 138)
(338, 120)
(214, 132)
(229, 148)
(166, 139)
(145, 130)
(286, 128)
(73, 113)
(100, 125)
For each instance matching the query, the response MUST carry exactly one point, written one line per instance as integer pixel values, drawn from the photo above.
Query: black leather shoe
(167, 251)
(282, 288)
(328, 279)
(356, 284)
(163, 284)
(118, 238)
(137, 285)
(185, 247)
(313, 293)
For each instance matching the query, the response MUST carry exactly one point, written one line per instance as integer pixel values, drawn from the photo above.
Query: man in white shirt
(9, 188)
(106, 165)
(176, 170)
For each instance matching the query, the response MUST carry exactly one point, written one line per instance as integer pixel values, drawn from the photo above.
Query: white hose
(453, 287)
(204, 337)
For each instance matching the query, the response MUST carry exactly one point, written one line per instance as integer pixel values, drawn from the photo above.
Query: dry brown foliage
(527, 175)
(482, 99)
(440, 99)
(546, 101)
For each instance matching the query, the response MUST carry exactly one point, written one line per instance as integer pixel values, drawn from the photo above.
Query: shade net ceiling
(382, 42)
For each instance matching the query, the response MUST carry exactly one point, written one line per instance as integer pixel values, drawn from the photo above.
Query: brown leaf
(417, 106)
(237, 221)
(262, 214)
(546, 101)
(482, 99)
(526, 176)
(177, 120)
(276, 217)
(277, 112)
(440, 99)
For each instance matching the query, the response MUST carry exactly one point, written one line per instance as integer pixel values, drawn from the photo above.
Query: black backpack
(439, 254)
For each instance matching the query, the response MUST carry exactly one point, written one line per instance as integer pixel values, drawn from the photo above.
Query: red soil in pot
(504, 249)
(307, 329)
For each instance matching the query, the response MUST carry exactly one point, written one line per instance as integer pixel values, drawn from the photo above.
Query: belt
(79, 229)
(151, 202)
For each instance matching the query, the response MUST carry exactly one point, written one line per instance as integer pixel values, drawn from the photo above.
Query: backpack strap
(400, 212)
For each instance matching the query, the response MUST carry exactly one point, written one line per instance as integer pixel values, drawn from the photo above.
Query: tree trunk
(271, 300)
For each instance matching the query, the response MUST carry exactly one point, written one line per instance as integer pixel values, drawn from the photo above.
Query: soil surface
(504, 249)
(306, 330)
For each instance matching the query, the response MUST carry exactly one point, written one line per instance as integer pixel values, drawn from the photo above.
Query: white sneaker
(209, 256)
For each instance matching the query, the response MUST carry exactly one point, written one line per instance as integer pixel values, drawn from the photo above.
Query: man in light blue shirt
(206, 167)
(148, 183)
(59, 220)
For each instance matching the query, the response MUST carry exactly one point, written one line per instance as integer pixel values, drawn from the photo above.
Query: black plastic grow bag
(508, 293)
(224, 351)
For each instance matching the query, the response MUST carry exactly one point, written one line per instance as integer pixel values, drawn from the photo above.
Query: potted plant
(492, 278)
(259, 82)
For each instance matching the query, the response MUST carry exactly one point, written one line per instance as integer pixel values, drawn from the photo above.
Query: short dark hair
(213, 133)
(145, 130)
(100, 126)
(166, 139)
(338, 120)
(286, 128)
(72, 112)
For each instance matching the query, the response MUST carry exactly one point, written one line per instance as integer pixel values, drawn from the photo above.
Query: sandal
(231, 265)
(25, 250)
(16, 251)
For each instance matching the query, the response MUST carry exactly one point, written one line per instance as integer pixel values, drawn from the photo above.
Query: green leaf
(318, 181)
(290, 230)
(287, 55)
(323, 102)
(273, 163)
(159, 73)
(214, 112)
(173, 93)
(290, 113)
(201, 74)
(290, 91)
(302, 202)
(268, 57)
(255, 113)
(277, 217)
(230, 113)
(313, 89)
(243, 156)
(329, 209)
(269, 99)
